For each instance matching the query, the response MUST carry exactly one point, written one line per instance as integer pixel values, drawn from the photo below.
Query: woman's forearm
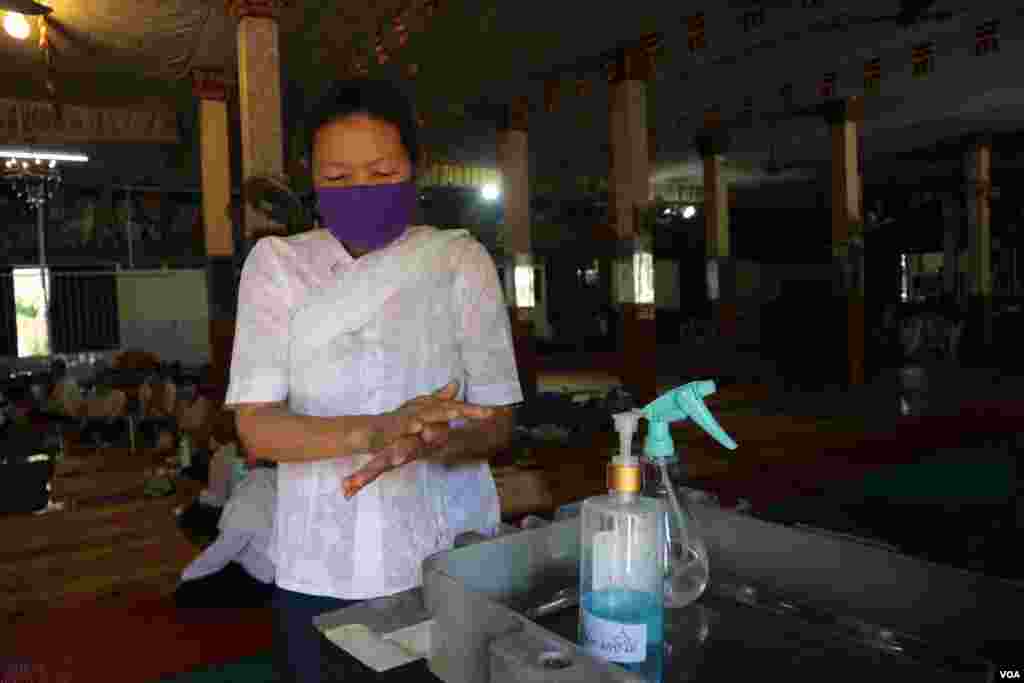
(478, 441)
(272, 432)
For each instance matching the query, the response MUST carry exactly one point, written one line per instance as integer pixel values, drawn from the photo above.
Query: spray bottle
(622, 613)
(686, 567)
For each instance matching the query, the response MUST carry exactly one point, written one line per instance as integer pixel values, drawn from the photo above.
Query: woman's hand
(430, 410)
(401, 452)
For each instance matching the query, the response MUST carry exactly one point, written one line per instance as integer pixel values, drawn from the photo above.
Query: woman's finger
(397, 454)
(448, 391)
(453, 410)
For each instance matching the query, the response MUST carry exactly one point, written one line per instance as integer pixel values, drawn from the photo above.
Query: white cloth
(341, 336)
(246, 525)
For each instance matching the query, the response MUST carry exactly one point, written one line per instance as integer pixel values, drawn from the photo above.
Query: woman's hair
(378, 99)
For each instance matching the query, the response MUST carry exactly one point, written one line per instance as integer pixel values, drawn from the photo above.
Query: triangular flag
(827, 85)
(695, 38)
(400, 28)
(552, 93)
(582, 86)
(873, 76)
(986, 38)
(922, 59)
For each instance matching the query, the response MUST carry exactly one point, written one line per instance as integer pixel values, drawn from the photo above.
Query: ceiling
(483, 52)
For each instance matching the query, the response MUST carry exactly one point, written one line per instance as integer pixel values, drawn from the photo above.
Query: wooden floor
(109, 542)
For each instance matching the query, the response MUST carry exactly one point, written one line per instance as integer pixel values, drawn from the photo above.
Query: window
(904, 279)
(31, 305)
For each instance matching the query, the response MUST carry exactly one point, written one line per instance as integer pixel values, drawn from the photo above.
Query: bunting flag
(695, 38)
(611, 70)
(401, 30)
(380, 49)
(873, 76)
(986, 38)
(922, 60)
(827, 85)
(753, 19)
(552, 91)
(652, 44)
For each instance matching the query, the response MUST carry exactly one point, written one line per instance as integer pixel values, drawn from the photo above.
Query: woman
(344, 336)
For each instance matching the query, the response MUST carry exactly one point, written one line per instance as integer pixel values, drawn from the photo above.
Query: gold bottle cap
(624, 478)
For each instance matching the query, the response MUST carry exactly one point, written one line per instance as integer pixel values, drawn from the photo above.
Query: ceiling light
(43, 156)
(689, 212)
(17, 26)
(490, 192)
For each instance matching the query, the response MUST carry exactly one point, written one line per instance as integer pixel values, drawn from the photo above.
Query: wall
(165, 312)
(666, 284)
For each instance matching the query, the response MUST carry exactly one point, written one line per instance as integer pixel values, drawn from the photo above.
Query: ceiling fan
(27, 7)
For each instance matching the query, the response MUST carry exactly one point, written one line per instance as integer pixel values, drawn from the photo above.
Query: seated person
(195, 417)
(236, 570)
(227, 467)
(158, 399)
(103, 410)
(65, 396)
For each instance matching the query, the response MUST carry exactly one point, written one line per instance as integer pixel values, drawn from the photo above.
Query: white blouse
(450, 323)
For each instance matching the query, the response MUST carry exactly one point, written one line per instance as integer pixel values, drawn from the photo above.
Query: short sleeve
(259, 359)
(483, 330)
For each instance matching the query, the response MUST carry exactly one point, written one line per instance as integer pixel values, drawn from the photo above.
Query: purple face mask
(367, 216)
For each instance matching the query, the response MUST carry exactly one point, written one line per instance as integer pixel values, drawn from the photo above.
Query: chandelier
(34, 174)
(33, 181)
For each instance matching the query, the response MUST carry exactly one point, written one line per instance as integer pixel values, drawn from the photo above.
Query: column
(514, 166)
(211, 87)
(844, 117)
(720, 271)
(630, 200)
(978, 169)
(950, 244)
(259, 89)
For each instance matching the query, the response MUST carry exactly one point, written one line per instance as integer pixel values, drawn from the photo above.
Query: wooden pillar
(978, 168)
(720, 266)
(630, 199)
(259, 89)
(212, 89)
(514, 165)
(844, 117)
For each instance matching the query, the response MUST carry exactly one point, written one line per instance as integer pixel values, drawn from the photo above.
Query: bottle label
(614, 641)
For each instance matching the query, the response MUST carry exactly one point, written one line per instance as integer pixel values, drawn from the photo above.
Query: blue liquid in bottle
(609, 627)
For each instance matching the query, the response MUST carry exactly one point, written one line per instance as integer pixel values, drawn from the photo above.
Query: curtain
(8, 315)
(83, 310)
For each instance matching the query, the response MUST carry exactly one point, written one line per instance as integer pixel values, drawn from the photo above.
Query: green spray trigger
(679, 404)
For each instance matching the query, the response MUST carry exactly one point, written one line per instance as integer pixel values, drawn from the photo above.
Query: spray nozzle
(681, 403)
(626, 424)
